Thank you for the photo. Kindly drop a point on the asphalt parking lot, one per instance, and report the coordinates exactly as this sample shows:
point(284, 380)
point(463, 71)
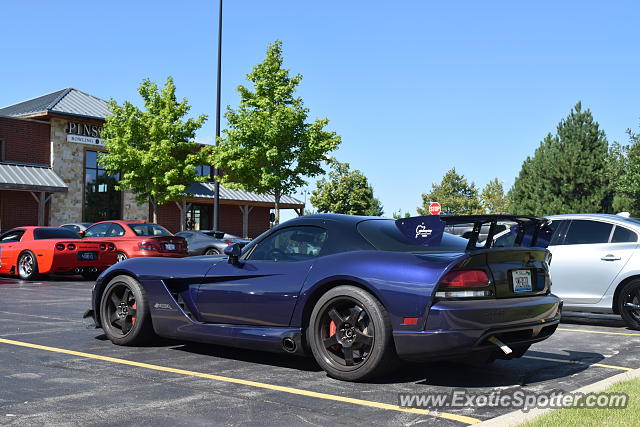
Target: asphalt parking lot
point(57, 369)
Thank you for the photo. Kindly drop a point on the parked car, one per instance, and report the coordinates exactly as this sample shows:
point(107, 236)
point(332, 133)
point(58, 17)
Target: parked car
point(31, 251)
point(199, 243)
point(77, 226)
point(355, 292)
point(596, 263)
point(137, 239)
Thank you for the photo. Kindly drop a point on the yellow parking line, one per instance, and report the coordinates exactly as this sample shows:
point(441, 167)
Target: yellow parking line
point(578, 362)
point(300, 392)
point(598, 332)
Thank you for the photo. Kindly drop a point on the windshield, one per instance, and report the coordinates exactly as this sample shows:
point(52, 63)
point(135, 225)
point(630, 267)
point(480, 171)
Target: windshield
point(384, 235)
point(149, 230)
point(54, 233)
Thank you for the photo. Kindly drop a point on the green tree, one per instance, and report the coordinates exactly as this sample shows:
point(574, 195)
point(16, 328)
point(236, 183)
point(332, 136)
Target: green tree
point(153, 149)
point(269, 147)
point(400, 214)
point(455, 195)
point(628, 185)
point(493, 199)
point(569, 172)
point(345, 191)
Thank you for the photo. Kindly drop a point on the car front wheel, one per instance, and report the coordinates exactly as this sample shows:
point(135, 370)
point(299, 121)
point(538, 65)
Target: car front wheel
point(350, 335)
point(124, 312)
point(629, 304)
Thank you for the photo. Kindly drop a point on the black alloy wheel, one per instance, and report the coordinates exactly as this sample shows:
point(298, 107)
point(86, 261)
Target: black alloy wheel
point(629, 304)
point(212, 251)
point(350, 335)
point(124, 313)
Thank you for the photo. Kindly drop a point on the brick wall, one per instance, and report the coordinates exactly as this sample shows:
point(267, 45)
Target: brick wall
point(17, 208)
point(25, 140)
point(230, 219)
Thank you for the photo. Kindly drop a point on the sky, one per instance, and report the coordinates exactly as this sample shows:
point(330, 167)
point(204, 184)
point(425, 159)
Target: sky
point(413, 87)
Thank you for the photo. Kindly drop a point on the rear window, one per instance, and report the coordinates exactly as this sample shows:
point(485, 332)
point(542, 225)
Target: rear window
point(384, 235)
point(623, 235)
point(149, 230)
point(54, 233)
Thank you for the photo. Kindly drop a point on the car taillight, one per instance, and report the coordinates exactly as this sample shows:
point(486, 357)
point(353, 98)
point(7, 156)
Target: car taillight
point(111, 246)
point(60, 246)
point(71, 246)
point(147, 246)
point(228, 242)
point(464, 284)
point(103, 246)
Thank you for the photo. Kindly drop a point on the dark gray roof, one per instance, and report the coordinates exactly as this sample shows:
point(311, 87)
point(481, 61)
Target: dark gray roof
point(68, 102)
point(28, 177)
point(206, 190)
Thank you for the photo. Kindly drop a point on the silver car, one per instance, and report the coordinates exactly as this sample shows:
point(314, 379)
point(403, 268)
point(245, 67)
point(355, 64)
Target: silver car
point(596, 264)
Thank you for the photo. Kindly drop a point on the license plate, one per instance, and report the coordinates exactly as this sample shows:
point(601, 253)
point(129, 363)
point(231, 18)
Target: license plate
point(87, 256)
point(169, 247)
point(521, 281)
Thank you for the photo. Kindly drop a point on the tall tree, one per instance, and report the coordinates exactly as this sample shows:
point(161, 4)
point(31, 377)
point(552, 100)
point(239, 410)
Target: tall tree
point(455, 195)
point(345, 191)
point(269, 147)
point(628, 185)
point(153, 149)
point(493, 199)
point(569, 172)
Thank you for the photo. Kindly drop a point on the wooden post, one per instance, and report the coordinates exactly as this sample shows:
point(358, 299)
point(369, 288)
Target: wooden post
point(42, 200)
point(245, 220)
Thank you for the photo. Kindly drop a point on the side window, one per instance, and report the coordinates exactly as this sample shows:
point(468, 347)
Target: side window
point(291, 244)
point(559, 229)
point(98, 230)
point(116, 230)
point(11, 236)
point(623, 235)
point(582, 232)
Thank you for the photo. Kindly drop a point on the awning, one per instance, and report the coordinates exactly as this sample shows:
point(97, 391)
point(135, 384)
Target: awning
point(206, 190)
point(30, 178)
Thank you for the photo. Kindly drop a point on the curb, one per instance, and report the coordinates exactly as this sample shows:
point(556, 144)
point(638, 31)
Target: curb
point(520, 417)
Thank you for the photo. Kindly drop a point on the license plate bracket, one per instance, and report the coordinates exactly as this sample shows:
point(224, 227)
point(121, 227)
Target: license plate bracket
point(521, 281)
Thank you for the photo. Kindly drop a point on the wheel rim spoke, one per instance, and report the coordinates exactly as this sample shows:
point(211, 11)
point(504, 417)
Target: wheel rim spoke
point(348, 354)
point(114, 299)
point(335, 316)
point(114, 317)
point(331, 341)
point(354, 315)
point(631, 306)
point(362, 339)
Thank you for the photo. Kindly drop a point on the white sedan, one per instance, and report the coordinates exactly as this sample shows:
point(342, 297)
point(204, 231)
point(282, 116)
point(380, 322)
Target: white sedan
point(596, 263)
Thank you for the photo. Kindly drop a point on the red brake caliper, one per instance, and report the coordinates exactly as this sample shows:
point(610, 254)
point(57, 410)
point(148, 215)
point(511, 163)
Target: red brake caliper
point(133, 318)
point(332, 331)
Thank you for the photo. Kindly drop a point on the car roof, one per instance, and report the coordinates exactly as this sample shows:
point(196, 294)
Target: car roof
point(607, 217)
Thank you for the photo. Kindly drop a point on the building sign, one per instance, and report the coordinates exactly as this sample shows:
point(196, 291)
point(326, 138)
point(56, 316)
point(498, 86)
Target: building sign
point(84, 134)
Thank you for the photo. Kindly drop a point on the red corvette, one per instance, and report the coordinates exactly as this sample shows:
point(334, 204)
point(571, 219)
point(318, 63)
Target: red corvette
point(30, 251)
point(137, 239)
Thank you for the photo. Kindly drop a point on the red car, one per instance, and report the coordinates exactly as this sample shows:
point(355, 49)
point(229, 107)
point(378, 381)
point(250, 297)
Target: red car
point(137, 238)
point(30, 251)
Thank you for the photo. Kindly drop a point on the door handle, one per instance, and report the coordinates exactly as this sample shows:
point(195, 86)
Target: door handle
point(610, 257)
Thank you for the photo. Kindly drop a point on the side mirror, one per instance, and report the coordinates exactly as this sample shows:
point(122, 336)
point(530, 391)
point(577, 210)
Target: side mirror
point(233, 251)
point(81, 233)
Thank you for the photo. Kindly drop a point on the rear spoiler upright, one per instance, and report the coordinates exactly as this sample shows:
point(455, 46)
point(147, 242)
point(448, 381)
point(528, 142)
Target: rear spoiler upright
point(526, 226)
point(530, 230)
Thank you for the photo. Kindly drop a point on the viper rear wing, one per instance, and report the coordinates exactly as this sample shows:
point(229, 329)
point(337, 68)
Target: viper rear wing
point(525, 231)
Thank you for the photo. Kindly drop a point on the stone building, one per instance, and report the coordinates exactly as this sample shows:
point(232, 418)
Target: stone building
point(49, 174)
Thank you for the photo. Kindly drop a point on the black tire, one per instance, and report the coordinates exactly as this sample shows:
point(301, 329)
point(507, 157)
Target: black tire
point(90, 276)
point(121, 256)
point(27, 266)
point(124, 312)
point(360, 346)
point(212, 251)
point(629, 304)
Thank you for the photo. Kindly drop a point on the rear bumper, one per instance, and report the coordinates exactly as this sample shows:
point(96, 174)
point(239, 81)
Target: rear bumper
point(456, 328)
point(137, 254)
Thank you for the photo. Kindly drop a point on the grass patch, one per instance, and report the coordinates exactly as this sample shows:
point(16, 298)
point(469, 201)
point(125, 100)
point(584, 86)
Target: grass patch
point(629, 416)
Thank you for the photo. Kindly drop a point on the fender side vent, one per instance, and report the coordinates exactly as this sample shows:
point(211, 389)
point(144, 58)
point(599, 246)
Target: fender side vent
point(182, 305)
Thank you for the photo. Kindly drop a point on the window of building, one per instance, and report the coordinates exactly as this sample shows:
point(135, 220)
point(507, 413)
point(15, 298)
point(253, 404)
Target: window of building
point(101, 199)
point(204, 171)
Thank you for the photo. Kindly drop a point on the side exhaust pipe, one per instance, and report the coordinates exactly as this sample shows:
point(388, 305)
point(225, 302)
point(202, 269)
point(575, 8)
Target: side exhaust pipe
point(289, 345)
point(505, 348)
